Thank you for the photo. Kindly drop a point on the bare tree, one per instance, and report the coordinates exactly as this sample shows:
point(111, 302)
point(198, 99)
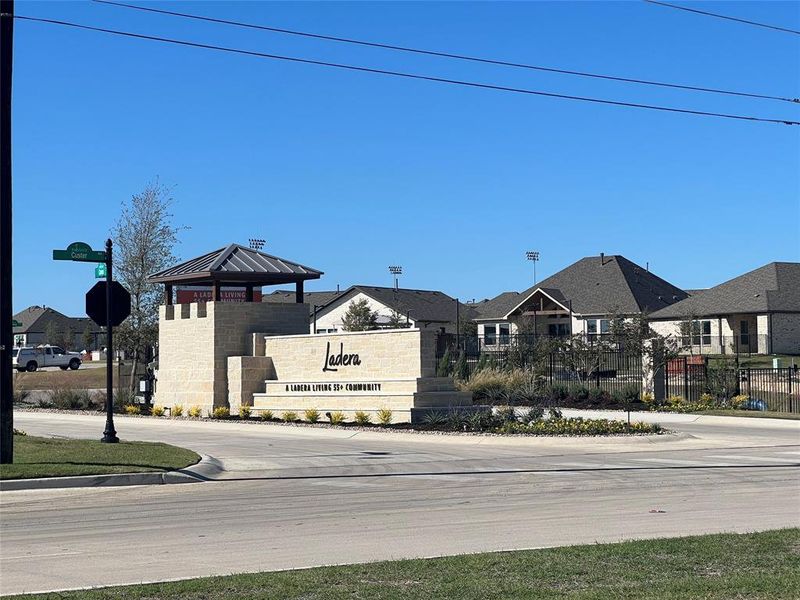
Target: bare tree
point(144, 239)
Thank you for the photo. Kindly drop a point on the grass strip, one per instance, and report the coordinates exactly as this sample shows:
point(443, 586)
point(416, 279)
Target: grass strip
point(756, 566)
point(58, 457)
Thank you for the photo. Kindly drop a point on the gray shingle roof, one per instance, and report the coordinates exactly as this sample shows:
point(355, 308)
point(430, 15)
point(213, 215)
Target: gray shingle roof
point(596, 287)
point(311, 298)
point(775, 287)
point(420, 305)
point(36, 319)
point(499, 305)
point(236, 264)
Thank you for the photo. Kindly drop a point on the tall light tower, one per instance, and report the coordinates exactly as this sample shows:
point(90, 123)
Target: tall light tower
point(257, 243)
point(396, 271)
point(534, 257)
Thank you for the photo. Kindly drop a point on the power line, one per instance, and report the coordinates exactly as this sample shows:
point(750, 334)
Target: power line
point(406, 75)
point(710, 14)
point(446, 54)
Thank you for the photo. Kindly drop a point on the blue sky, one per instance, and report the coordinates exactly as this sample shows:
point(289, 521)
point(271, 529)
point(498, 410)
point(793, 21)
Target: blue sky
point(351, 172)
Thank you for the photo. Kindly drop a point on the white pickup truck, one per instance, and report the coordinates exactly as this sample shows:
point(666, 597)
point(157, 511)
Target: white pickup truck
point(29, 359)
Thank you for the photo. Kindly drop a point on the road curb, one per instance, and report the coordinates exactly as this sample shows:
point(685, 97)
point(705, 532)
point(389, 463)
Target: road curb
point(205, 470)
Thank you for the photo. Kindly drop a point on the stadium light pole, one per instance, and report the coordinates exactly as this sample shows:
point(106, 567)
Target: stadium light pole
point(533, 256)
point(396, 271)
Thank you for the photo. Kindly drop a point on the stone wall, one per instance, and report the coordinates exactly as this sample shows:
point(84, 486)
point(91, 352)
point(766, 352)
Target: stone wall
point(364, 371)
point(196, 340)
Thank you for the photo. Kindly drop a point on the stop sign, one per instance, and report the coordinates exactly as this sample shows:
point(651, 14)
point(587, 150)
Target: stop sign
point(96, 303)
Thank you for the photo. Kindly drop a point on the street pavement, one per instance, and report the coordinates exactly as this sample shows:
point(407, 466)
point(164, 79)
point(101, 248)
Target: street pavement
point(294, 497)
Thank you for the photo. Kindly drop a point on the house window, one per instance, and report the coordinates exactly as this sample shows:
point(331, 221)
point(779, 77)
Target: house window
point(701, 333)
point(558, 329)
point(744, 331)
point(505, 334)
point(490, 335)
point(605, 326)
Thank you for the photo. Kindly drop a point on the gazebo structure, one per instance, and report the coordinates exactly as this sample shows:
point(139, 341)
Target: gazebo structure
point(197, 339)
point(235, 266)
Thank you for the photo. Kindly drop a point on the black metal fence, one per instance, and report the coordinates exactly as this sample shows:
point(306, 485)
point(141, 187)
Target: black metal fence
point(618, 372)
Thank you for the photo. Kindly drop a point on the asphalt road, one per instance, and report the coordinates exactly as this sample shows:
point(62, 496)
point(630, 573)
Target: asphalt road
point(298, 497)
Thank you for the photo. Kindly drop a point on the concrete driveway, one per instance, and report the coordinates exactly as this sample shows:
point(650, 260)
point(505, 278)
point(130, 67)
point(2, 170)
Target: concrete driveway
point(297, 497)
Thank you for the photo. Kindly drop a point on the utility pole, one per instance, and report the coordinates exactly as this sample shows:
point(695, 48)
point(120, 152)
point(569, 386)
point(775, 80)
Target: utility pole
point(6, 303)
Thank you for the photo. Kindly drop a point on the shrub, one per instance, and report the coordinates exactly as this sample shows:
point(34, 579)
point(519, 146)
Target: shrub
point(534, 414)
point(555, 414)
point(123, 397)
point(20, 396)
point(266, 415)
point(443, 369)
point(739, 402)
point(133, 409)
point(157, 411)
point(506, 414)
point(336, 417)
point(19, 432)
point(220, 412)
point(461, 370)
point(362, 418)
point(384, 416)
point(497, 385)
point(289, 416)
point(311, 414)
point(71, 399)
point(177, 410)
point(558, 392)
point(435, 419)
point(244, 412)
point(195, 411)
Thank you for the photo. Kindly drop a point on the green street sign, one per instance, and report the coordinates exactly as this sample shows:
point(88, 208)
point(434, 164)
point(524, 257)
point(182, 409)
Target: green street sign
point(100, 271)
point(15, 323)
point(80, 251)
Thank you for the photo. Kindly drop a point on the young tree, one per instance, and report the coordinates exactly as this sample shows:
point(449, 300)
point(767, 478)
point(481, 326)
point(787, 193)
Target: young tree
point(87, 338)
point(359, 317)
point(144, 242)
point(397, 320)
point(64, 337)
point(50, 333)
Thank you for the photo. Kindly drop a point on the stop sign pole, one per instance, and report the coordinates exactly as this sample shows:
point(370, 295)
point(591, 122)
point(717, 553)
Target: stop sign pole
point(110, 434)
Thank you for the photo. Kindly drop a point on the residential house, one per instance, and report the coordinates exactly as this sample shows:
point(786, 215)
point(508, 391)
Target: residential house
point(581, 299)
point(415, 308)
point(44, 325)
point(756, 312)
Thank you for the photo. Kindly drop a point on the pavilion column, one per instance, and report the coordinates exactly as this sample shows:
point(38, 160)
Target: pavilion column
point(216, 294)
point(248, 293)
point(168, 294)
point(298, 295)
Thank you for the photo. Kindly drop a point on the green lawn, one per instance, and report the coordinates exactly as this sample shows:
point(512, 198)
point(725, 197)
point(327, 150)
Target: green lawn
point(49, 457)
point(763, 566)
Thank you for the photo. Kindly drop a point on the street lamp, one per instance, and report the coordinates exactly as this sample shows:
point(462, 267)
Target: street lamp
point(534, 257)
point(396, 271)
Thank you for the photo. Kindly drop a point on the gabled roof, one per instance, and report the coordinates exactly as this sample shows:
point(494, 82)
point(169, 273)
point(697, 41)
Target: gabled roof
point(311, 298)
point(420, 305)
point(596, 286)
point(501, 304)
point(36, 319)
point(236, 264)
point(775, 287)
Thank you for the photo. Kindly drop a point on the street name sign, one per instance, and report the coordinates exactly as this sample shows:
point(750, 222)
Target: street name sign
point(100, 271)
point(81, 252)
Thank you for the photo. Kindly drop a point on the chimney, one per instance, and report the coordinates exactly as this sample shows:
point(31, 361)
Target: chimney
point(602, 258)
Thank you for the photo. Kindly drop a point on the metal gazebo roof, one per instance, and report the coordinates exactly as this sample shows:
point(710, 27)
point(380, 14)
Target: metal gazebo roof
point(236, 265)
